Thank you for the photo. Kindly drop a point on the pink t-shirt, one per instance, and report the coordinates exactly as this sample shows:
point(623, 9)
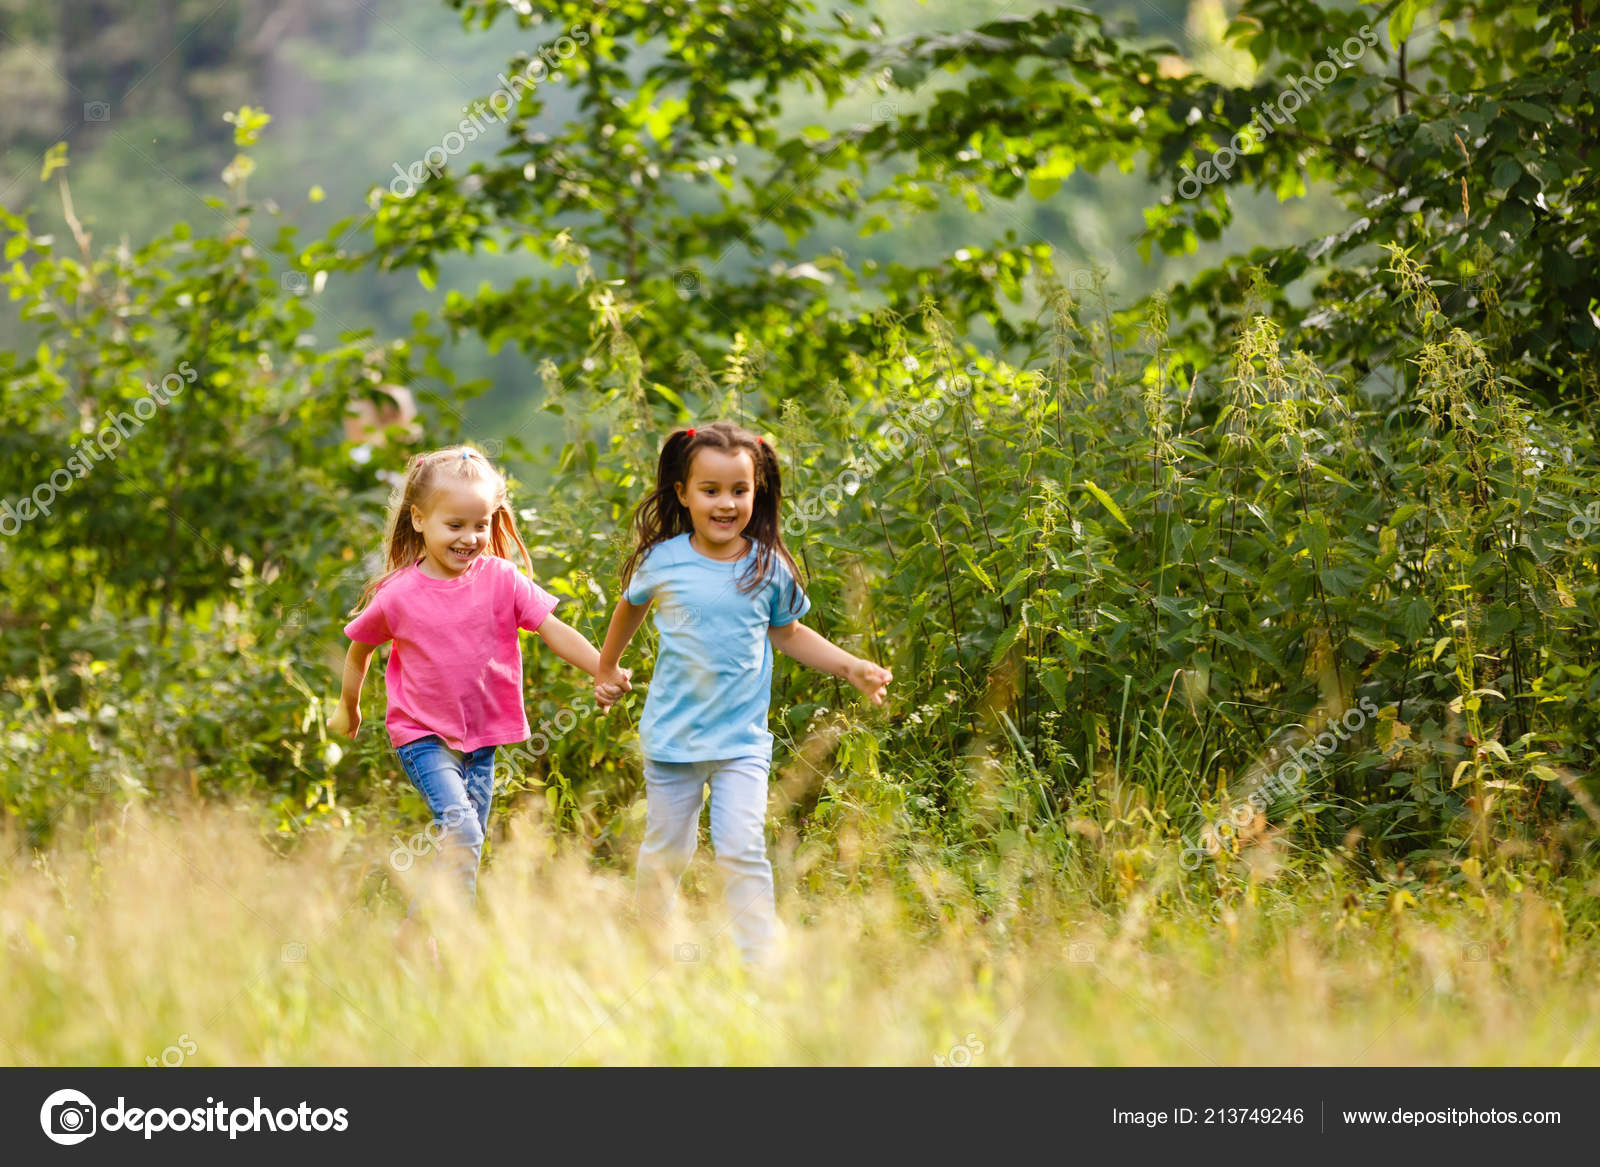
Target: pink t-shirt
point(456, 666)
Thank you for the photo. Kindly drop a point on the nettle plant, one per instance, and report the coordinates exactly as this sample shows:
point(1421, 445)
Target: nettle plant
point(1115, 586)
point(1135, 560)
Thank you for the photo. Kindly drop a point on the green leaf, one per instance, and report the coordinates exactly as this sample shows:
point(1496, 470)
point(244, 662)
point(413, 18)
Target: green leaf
point(1506, 172)
point(1106, 501)
point(1254, 645)
point(1401, 514)
point(1401, 20)
point(1415, 617)
point(1233, 568)
point(669, 395)
point(661, 119)
point(54, 159)
point(1042, 188)
point(972, 564)
point(1535, 113)
point(1003, 645)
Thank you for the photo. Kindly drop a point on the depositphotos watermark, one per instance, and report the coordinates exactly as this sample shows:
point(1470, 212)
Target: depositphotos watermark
point(70, 1116)
point(1582, 522)
point(500, 103)
point(538, 744)
point(174, 1055)
point(107, 439)
point(1282, 781)
point(1281, 112)
point(891, 441)
point(427, 839)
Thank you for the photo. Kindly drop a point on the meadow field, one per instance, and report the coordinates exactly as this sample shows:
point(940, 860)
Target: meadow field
point(136, 942)
point(1202, 432)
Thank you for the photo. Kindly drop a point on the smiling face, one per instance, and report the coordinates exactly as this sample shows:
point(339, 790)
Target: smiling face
point(719, 493)
point(455, 527)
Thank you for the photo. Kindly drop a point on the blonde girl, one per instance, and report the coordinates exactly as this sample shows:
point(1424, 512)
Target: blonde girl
point(451, 601)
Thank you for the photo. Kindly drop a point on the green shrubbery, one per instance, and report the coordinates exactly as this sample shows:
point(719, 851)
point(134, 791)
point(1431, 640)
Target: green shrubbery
point(1114, 593)
point(1120, 568)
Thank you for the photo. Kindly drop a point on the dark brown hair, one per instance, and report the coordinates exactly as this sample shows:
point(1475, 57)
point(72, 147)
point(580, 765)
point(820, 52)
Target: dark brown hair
point(403, 543)
point(661, 516)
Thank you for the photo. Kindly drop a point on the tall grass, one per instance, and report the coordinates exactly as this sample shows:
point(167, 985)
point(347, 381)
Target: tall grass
point(187, 933)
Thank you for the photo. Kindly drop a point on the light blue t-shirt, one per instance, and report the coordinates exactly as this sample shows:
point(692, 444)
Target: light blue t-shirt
point(713, 678)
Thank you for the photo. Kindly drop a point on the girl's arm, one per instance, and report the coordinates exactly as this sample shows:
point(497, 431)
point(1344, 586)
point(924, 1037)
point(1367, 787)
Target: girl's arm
point(569, 644)
point(346, 719)
point(625, 622)
point(816, 651)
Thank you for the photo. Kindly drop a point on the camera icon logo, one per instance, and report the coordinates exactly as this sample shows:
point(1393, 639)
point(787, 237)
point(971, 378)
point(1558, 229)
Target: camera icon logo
point(680, 617)
point(68, 1117)
point(1080, 953)
point(293, 953)
point(686, 953)
point(294, 281)
point(961, 1054)
point(1081, 279)
point(96, 111)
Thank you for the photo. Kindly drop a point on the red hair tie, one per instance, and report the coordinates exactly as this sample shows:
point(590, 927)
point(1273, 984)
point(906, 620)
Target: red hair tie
point(691, 431)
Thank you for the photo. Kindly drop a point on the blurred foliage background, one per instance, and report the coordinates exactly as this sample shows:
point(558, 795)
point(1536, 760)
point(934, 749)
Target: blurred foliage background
point(353, 88)
point(1138, 480)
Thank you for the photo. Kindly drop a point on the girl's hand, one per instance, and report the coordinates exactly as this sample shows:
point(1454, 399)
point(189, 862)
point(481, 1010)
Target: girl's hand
point(609, 686)
point(345, 721)
point(871, 679)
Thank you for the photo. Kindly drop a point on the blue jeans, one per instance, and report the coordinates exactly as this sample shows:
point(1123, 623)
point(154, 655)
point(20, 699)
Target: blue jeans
point(674, 793)
point(458, 789)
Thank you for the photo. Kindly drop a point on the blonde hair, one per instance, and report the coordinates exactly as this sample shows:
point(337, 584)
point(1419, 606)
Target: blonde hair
point(425, 473)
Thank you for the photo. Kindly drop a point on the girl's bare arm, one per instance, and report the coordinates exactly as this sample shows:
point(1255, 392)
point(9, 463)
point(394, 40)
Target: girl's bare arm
point(569, 644)
point(625, 622)
point(816, 651)
point(346, 719)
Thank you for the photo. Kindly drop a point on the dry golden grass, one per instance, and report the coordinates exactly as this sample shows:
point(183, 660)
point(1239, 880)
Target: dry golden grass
point(146, 933)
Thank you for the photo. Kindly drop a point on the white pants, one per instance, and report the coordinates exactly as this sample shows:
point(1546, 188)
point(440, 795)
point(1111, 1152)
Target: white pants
point(674, 793)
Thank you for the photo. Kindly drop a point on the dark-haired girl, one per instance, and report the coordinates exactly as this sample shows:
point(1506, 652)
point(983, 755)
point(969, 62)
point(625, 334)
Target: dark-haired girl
point(710, 556)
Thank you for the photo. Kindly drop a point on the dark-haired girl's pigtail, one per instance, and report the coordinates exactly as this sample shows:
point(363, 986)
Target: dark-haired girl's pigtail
point(661, 516)
point(765, 526)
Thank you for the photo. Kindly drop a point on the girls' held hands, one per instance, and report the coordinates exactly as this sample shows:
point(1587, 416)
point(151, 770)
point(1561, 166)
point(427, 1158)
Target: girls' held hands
point(873, 680)
point(609, 686)
point(345, 721)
